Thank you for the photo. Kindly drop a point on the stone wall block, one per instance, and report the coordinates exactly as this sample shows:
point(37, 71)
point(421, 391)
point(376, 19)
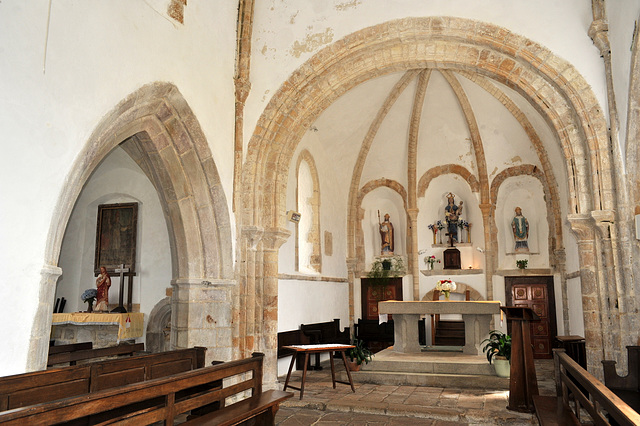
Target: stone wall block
point(163, 176)
point(175, 169)
point(199, 186)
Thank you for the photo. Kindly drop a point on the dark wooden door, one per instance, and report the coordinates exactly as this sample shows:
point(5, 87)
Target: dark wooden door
point(536, 292)
point(374, 293)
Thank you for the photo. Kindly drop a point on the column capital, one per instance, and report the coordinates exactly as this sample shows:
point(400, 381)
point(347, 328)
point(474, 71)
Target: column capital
point(603, 219)
point(413, 213)
point(274, 238)
point(583, 226)
point(253, 235)
point(599, 33)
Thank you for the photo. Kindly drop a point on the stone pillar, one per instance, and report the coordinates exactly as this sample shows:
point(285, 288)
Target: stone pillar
point(609, 293)
point(490, 256)
point(352, 269)
point(247, 307)
point(583, 227)
point(41, 329)
point(272, 240)
point(201, 316)
point(560, 261)
point(413, 255)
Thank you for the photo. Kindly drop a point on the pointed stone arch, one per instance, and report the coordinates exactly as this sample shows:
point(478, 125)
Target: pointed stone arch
point(162, 135)
point(550, 84)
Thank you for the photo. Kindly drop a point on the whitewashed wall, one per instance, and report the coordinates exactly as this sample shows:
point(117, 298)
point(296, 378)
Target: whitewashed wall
point(96, 54)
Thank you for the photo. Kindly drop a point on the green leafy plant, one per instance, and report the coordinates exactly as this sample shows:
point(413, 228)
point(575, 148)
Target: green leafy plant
point(383, 269)
point(498, 344)
point(522, 264)
point(360, 353)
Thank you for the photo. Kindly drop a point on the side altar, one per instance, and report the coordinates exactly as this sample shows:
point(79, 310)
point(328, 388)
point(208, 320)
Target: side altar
point(103, 329)
point(476, 316)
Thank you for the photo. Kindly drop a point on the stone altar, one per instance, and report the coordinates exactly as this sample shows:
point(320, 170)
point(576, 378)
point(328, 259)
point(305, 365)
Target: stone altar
point(476, 316)
point(103, 329)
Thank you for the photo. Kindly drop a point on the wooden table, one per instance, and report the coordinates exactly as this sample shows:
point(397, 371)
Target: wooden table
point(318, 349)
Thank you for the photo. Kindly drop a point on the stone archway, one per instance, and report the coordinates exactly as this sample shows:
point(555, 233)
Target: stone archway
point(550, 84)
point(164, 138)
point(158, 337)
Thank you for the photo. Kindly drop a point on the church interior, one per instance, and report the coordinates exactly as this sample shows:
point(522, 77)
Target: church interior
point(200, 151)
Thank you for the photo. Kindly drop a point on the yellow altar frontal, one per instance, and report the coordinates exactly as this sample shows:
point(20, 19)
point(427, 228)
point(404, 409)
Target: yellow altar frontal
point(130, 325)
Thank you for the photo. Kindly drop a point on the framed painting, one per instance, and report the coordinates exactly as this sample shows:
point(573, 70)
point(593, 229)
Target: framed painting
point(116, 234)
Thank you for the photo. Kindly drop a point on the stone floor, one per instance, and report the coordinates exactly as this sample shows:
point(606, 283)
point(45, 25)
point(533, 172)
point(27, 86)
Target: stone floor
point(402, 405)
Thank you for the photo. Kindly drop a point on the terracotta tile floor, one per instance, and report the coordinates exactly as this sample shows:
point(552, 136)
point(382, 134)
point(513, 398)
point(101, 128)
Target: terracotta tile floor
point(402, 405)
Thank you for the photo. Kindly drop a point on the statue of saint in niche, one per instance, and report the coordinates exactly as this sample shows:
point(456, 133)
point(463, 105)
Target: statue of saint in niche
point(520, 228)
point(452, 215)
point(386, 235)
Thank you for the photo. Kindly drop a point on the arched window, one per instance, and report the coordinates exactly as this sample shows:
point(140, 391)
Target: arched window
point(308, 254)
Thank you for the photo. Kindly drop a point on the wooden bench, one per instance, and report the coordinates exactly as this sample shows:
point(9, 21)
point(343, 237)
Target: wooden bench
point(123, 349)
point(72, 347)
point(626, 387)
point(571, 402)
point(163, 399)
point(325, 333)
point(26, 389)
point(292, 338)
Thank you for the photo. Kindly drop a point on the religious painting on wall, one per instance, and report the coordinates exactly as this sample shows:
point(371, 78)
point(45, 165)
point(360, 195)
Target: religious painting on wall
point(116, 233)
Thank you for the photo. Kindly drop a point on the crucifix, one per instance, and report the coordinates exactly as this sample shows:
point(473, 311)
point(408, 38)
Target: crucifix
point(122, 271)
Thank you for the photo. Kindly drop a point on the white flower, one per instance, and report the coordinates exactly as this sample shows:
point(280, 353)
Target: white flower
point(446, 285)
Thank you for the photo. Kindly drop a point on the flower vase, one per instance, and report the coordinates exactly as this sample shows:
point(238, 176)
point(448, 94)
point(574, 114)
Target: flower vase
point(431, 266)
point(468, 235)
point(440, 233)
point(434, 238)
point(90, 306)
point(446, 295)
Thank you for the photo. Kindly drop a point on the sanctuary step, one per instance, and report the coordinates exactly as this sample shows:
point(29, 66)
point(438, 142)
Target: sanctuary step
point(431, 368)
point(449, 333)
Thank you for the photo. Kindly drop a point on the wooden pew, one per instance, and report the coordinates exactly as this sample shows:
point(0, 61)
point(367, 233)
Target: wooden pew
point(571, 402)
point(161, 400)
point(72, 347)
point(292, 338)
point(626, 387)
point(123, 349)
point(26, 389)
point(325, 333)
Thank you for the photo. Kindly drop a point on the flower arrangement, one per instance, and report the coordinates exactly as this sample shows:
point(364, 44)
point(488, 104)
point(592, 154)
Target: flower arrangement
point(440, 225)
point(433, 227)
point(446, 287)
point(522, 263)
point(430, 260)
point(89, 296)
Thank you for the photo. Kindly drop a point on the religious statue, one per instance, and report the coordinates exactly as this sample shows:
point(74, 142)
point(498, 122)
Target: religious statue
point(386, 234)
point(103, 282)
point(452, 214)
point(520, 227)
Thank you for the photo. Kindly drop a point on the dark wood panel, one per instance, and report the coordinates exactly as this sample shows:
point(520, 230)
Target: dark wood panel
point(536, 292)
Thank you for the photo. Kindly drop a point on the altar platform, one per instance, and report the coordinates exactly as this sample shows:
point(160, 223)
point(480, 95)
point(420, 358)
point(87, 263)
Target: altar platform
point(445, 367)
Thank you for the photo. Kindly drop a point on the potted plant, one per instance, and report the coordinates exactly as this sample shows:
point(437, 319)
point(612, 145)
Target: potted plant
point(498, 349)
point(358, 355)
point(383, 269)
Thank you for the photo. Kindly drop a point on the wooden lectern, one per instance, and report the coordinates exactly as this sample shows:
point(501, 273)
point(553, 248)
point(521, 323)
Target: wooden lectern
point(523, 385)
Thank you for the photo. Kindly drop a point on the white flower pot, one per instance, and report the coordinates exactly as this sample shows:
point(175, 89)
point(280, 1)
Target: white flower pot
point(503, 366)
